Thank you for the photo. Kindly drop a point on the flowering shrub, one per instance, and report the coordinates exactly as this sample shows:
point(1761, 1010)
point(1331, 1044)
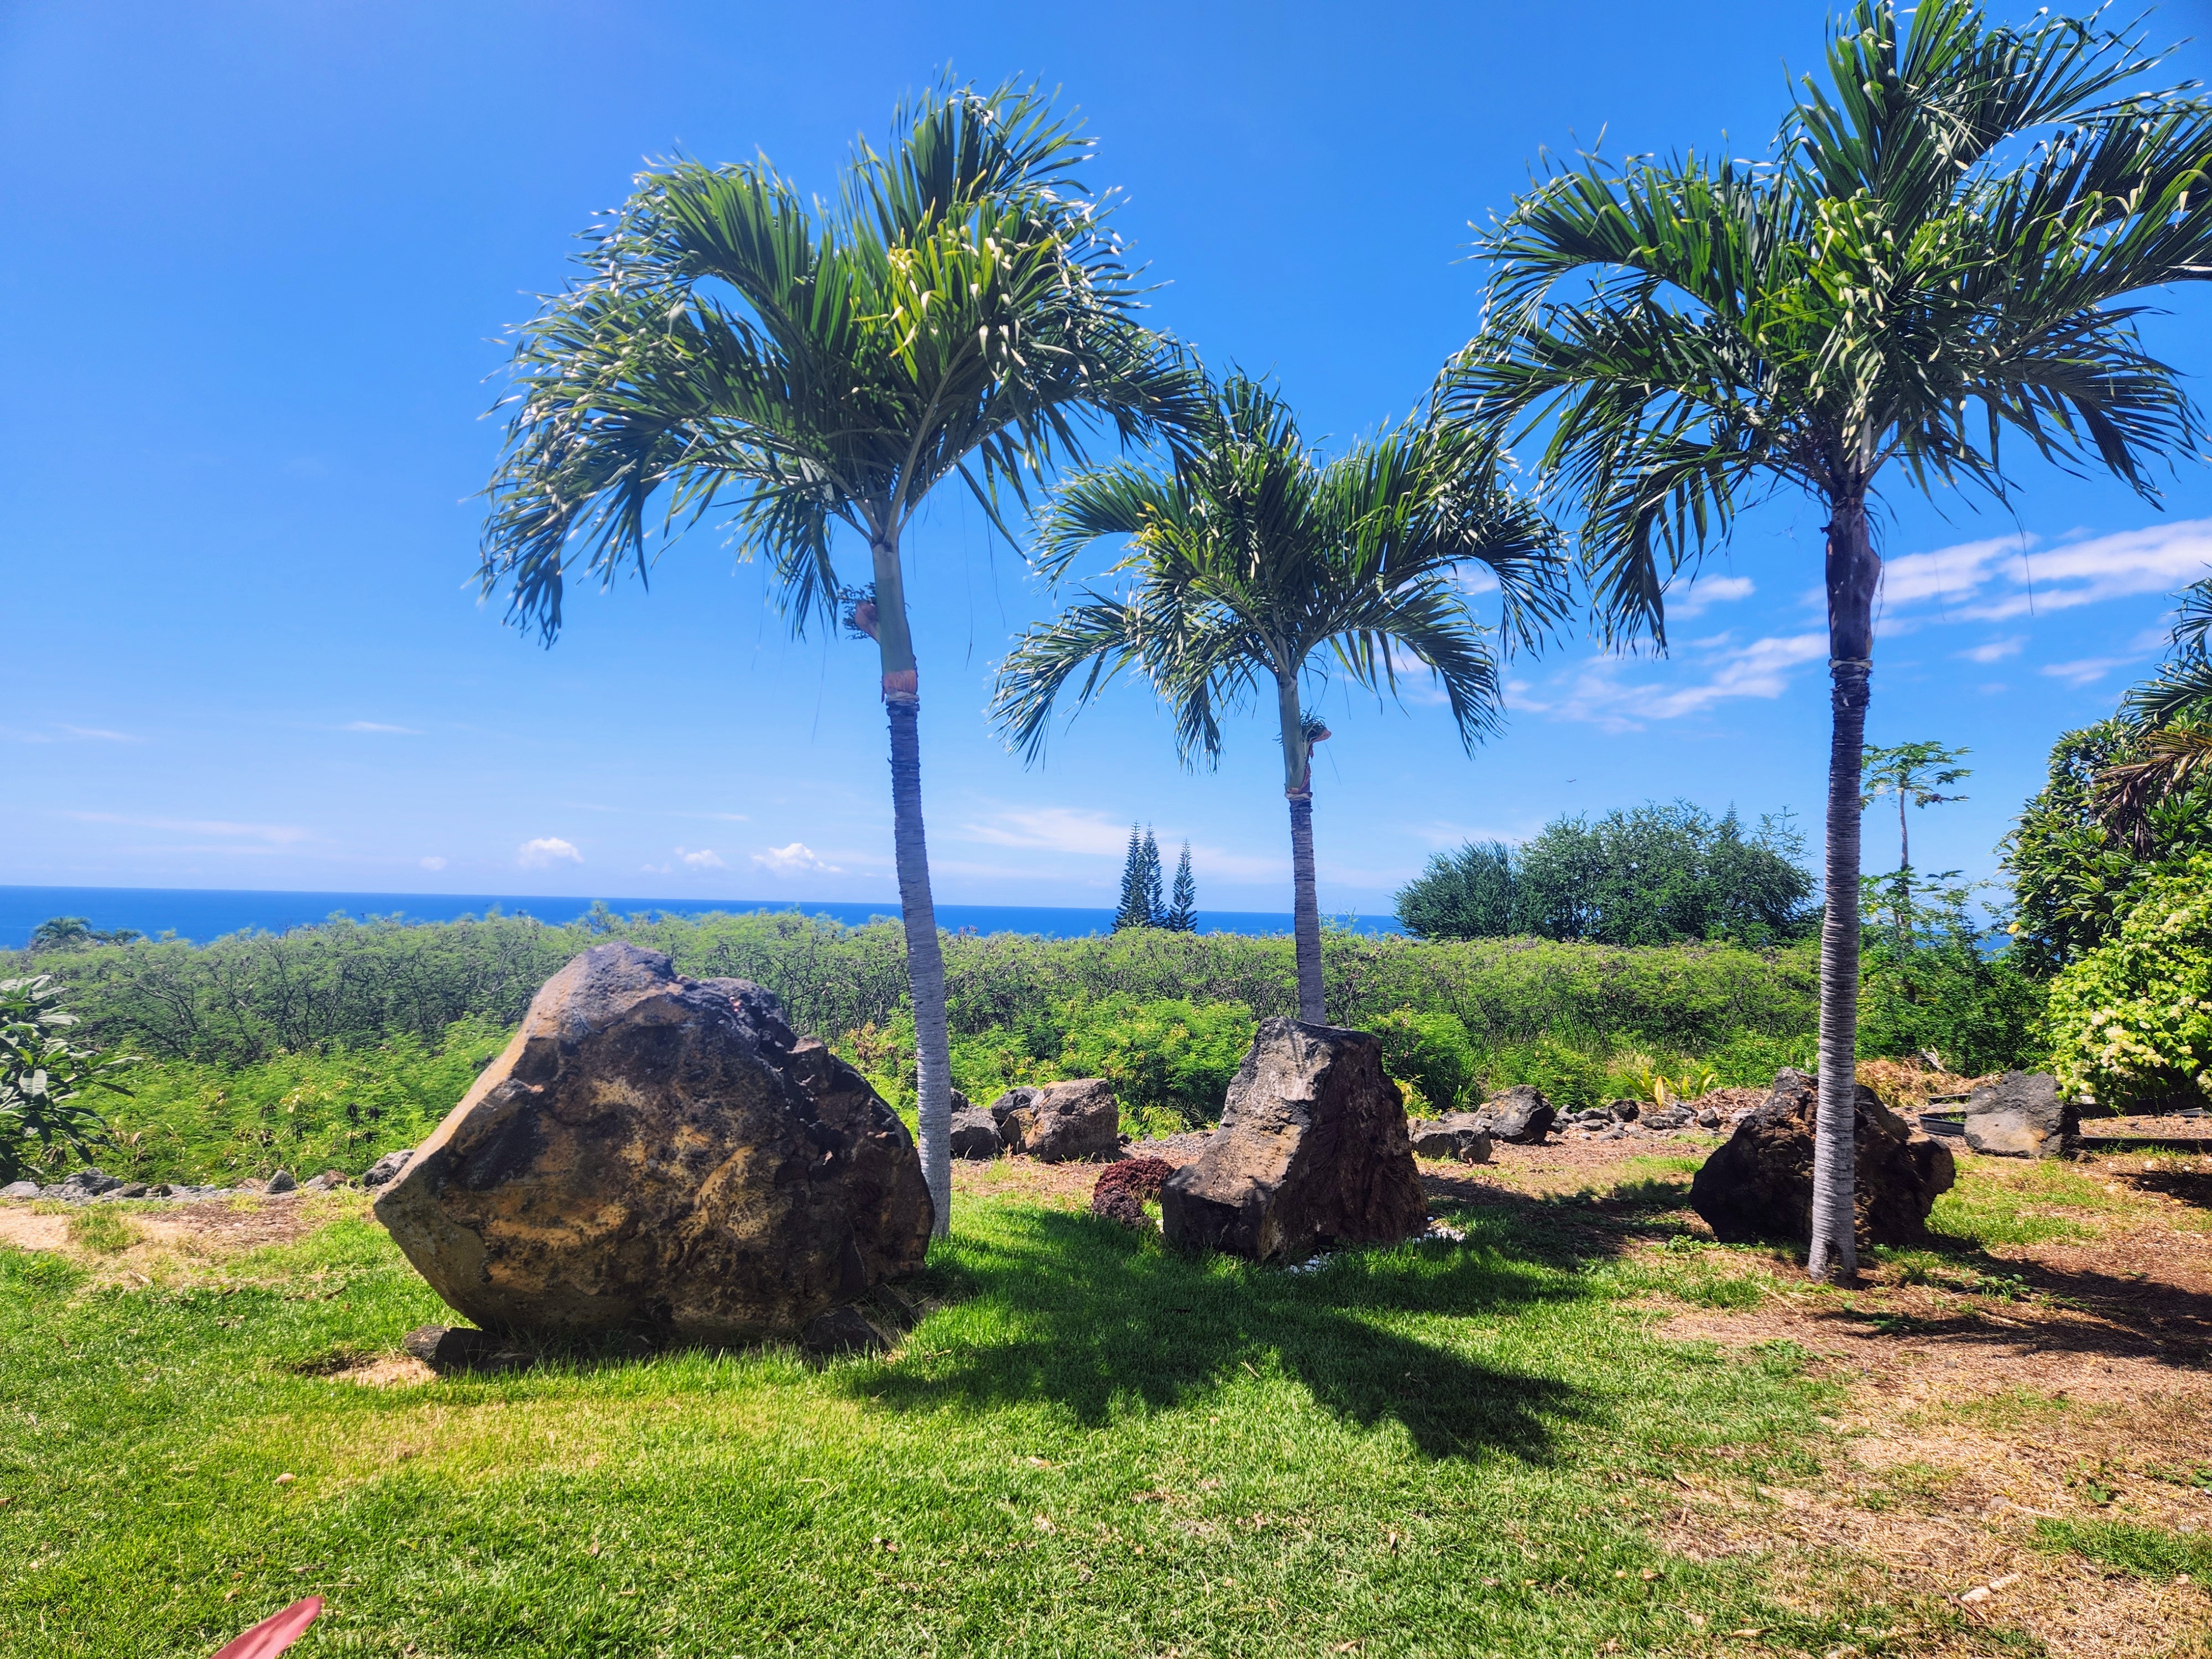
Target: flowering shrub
point(2131, 1020)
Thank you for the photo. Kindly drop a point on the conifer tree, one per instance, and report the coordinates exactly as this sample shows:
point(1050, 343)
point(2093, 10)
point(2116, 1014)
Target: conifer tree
point(1135, 910)
point(1156, 904)
point(1182, 910)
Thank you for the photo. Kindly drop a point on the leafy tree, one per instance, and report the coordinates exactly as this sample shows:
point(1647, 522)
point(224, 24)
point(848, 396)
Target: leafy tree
point(1135, 909)
point(960, 310)
point(1946, 252)
point(2074, 875)
point(1930, 985)
point(2131, 1019)
point(1155, 904)
point(1463, 895)
point(75, 932)
point(1182, 908)
point(45, 1079)
point(1660, 874)
point(1250, 557)
point(1917, 774)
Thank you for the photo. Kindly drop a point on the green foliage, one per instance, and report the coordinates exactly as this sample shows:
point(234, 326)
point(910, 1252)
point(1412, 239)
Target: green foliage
point(1170, 1061)
point(1928, 981)
point(1570, 1078)
point(1430, 1053)
point(2146, 1552)
point(1749, 1060)
point(1143, 901)
point(1182, 904)
point(1651, 875)
point(1463, 895)
point(193, 1120)
point(2130, 1020)
point(46, 1082)
point(73, 933)
point(2073, 877)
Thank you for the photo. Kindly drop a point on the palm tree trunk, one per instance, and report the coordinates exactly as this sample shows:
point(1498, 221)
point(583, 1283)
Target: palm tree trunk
point(1853, 571)
point(1305, 908)
point(924, 955)
point(1305, 918)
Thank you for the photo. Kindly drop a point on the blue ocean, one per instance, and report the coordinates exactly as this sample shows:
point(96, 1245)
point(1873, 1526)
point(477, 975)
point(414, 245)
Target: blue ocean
point(200, 913)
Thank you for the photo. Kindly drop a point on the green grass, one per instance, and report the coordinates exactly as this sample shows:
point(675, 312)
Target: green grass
point(2147, 1551)
point(1096, 1447)
point(1986, 1208)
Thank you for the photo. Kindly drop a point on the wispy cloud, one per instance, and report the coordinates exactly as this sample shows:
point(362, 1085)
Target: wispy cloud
point(2085, 671)
point(1059, 829)
point(706, 858)
point(796, 858)
point(433, 862)
point(1602, 693)
point(1994, 650)
point(66, 733)
point(275, 835)
point(2004, 577)
point(1706, 592)
point(379, 726)
point(546, 852)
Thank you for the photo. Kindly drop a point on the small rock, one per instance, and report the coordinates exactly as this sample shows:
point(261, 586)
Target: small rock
point(329, 1181)
point(88, 1184)
point(132, 1189)
point(19, 1189)
point(1521, 1115)
point(1710, 1118)
point(1628, 1111)
point(387, 1169)
point(975, 1135)
point(840, 1330)
point(1456, 1135)
point(2021, 1115)
point(1061, 1122)
point(281, 1181)
point(1980, 1593)
point(459, 1348)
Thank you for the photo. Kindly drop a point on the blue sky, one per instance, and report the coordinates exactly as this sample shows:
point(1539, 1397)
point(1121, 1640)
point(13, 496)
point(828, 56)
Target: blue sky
point(263, 257)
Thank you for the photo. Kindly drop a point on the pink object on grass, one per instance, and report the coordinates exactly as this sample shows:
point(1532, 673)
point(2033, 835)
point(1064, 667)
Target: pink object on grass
point(273, 1635)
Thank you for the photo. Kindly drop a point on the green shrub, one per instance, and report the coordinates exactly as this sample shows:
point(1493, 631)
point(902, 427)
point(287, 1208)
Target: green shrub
point(1748, 1060)
point(1429, 1052)
point(1569, 1078)
point(2130, 1020)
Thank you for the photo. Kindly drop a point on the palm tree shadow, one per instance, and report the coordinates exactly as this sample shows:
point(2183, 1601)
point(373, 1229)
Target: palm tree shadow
point(1097, 1319)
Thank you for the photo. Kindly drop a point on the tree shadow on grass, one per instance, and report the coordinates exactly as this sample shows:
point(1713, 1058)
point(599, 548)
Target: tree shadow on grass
point(1067, 1308)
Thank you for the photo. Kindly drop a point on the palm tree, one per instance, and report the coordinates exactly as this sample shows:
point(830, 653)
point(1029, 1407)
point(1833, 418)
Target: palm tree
point(1249, 556)
point(1961, 221)
point(963, 308)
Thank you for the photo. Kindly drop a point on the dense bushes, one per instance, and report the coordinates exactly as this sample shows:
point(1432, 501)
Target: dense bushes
point(2131, 1019)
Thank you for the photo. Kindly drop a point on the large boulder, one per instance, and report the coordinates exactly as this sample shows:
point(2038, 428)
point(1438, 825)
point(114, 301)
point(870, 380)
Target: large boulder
point(1521, 1115)
point(1759, 1184)
point(1312, 1151)
point(975, 1134)
point(660, 1155)
point(1457, 1135)
point(2020, 1115)
point(1061, 1122)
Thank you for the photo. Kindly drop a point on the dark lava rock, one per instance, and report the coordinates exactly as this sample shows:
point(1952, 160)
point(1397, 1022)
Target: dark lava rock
point(1126, 1188)
point(1456, 1135)
point(1628, 1111)
point(660, 1155)
point(457, 1348)
point(1312, 1151)
point(2021, 1115)
point(387, 1169)
point(1061, 1122)
point(281, 1181)
point(88, 1184)
point(841, 1330)
point(1759, 1184)
point(132, 1189)
point(1521, 1115)
point(975, 1134)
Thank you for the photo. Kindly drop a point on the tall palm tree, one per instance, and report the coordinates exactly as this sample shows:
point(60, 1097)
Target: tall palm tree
point(1250, 557)
point(1944, 253)
point(963, 308)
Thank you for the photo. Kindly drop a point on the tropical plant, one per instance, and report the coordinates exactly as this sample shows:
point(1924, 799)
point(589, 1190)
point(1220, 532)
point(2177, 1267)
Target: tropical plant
point(1429, 1052)
point(45, 1080)
point(2130, 1020)
point(75, 933)
point(1463, 895)
point(1963, 218)
point(1250, 557)
point(1662, 873)
point(1142, 903)
point(962, 310)
point(1917, 774)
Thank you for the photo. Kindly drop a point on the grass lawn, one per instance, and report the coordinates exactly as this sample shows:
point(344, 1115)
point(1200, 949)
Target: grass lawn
point(1090, 1445)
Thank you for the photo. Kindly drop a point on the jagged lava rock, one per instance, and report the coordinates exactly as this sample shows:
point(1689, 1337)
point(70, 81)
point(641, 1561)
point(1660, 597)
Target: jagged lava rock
point(1521, 1115)
point(975, 1134)
point(1759, 1184)
point(1458, 1135)
point(2021, 1115)
point(1312, 1151)
point(1061, 1122)
point(661, 1155)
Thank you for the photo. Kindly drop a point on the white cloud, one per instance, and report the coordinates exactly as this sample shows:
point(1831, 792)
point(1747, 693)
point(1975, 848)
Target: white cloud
point(99, 734)
point(704, 859)
point(545, 852)
point(2008, 576)
point(1706, 592)
point(433, 862)
point(377, 725)
point(1760, 669)
point(1059, 829)
point(278, 834)
point(791, 860)
point(2085, 671)
point(1950, 575)
point(1994, 650)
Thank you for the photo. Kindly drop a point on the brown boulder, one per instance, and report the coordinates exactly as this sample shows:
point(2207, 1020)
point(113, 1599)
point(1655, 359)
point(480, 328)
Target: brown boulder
point(1312, 1151)
point(2020, 1115)
point(1061, 1122)
point(1759, 1184)
point(661, 1155)
point(1460, 1136)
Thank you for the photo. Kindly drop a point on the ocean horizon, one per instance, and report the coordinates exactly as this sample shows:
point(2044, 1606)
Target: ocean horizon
point(202, 913)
